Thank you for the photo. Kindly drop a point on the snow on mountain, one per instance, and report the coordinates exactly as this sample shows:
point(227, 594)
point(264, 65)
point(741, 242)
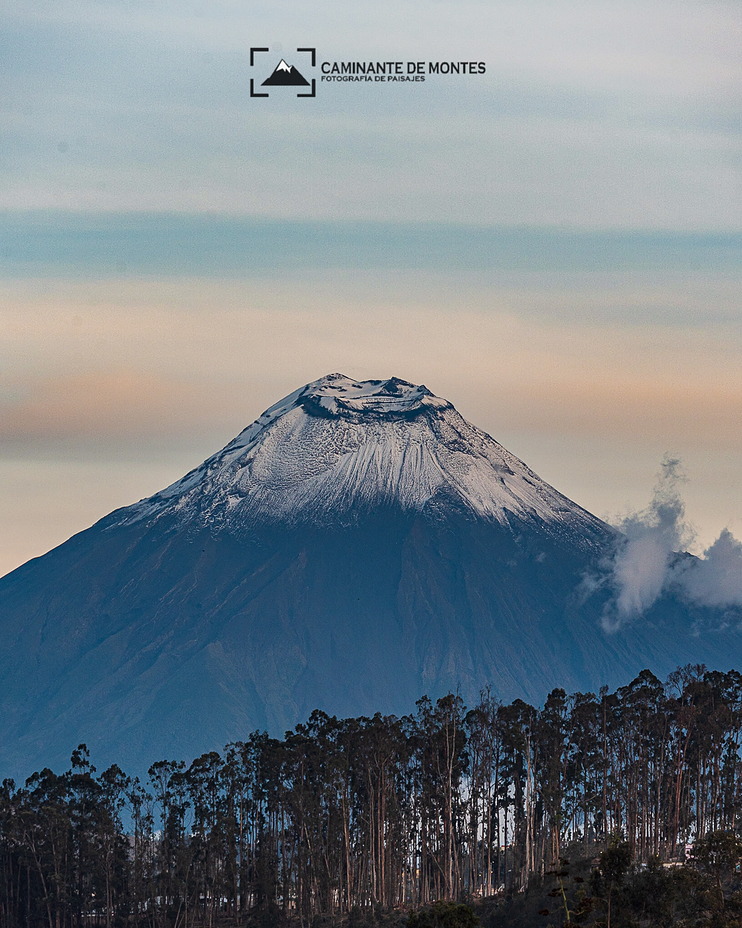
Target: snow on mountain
point(356, 547)
point(337, 447)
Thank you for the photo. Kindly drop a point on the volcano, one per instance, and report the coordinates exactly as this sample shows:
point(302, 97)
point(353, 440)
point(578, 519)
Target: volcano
point(356, 547)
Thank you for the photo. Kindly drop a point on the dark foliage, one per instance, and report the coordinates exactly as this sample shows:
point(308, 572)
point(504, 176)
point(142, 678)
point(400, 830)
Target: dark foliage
point(444, 915)
point(618, 810)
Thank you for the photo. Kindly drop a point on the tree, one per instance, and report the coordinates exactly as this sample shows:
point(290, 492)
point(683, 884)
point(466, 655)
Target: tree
point(717, 855)
point(612, 869)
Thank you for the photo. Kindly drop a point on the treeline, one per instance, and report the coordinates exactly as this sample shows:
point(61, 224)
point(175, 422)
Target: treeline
point(364, 815)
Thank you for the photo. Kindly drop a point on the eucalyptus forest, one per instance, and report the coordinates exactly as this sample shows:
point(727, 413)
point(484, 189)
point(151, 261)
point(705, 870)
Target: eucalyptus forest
point(428, 818)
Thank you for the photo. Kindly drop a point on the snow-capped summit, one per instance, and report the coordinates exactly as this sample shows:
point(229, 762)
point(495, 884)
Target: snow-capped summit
point(337, 447)
point(282, 66)
point(356, 547)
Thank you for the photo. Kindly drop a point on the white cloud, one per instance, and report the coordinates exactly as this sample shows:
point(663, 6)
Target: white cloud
point(716, 580)
point(648, 562)
point(640, 569)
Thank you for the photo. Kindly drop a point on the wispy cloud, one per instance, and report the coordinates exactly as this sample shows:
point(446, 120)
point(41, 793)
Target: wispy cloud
point(100, 404)
point(641, 567)
point(589, 114)
point(649, 559)
point(78, 243)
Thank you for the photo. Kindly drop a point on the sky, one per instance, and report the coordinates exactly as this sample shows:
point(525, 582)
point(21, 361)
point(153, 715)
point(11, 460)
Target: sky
point(554, 245)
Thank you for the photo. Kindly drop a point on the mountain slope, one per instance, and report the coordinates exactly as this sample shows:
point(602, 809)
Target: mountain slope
point(359, 545)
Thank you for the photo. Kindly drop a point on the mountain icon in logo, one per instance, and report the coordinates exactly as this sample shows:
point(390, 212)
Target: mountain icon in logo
point(285, 75)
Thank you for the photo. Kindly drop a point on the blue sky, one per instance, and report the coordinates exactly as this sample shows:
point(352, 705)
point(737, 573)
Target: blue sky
point(553, 245)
